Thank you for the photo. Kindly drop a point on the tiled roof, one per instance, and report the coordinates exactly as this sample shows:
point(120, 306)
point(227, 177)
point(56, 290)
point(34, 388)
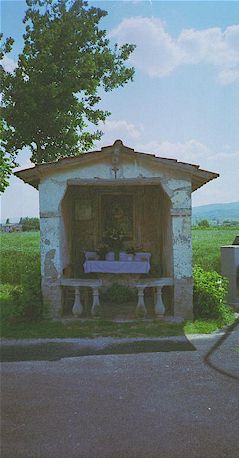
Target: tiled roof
point(33, 175)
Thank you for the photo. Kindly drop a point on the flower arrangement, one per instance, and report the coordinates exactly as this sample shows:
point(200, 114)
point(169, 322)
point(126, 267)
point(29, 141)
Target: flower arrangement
point(102, 250)
point(114, 238)
point(131, 250)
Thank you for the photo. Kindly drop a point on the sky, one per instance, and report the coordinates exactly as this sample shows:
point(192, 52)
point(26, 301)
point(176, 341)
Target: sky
point(184, 101)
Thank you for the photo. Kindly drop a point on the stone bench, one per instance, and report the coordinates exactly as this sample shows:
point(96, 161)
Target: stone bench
point(157, 283)
point(95, 284)
point(77, 283)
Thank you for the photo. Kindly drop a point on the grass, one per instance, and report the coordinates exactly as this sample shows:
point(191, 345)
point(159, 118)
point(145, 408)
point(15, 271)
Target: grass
point(20, 249)
point(27, 242)
point(95, 328)
point(90, 328)
point(206, 245)
point(17, 248)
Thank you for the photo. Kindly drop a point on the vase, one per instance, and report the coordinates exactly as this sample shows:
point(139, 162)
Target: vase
point(123, 256)
point(130, 257)
point(110, 256)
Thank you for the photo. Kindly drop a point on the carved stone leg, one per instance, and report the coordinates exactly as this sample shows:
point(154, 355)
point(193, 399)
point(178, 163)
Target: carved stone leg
point(141, 309)
point(77, 307)
point(159, 305)
point(96, 302)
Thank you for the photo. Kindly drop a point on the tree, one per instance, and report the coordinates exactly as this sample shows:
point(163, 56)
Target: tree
point(30, 224)
point(204, 223)
point(6, 161)
point(53, 94)
point(7, 221)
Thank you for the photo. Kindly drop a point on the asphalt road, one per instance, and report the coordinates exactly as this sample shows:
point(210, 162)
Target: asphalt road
point(144, 405)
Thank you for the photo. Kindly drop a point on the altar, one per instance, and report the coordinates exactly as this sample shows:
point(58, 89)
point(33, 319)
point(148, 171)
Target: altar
point(137, 263)
point(117, 267)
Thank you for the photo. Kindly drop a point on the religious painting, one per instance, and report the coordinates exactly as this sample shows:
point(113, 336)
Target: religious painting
point(83, 210)
point(117, 213)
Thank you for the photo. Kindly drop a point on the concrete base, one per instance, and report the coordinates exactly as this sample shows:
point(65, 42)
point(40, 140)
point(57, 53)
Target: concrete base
point(230, 269)
point(183, 298)
point(52, 297)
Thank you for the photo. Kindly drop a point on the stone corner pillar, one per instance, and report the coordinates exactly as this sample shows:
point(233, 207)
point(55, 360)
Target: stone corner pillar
point(52, 297)
point(182, 262)
point(51, 263)
point(51, 193)
point(183, 298)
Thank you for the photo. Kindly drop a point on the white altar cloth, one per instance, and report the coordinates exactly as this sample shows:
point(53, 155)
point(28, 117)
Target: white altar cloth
point(117, 267)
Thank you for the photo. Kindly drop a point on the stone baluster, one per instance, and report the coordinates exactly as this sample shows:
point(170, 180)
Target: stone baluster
point(141, 309)
point(77, 307)
point(96, 302)
point(159, 305)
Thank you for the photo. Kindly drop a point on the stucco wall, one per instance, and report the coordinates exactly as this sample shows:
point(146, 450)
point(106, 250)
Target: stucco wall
point(53, 229)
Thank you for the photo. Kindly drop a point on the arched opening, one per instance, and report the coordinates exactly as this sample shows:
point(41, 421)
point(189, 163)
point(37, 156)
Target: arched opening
point(144, 212)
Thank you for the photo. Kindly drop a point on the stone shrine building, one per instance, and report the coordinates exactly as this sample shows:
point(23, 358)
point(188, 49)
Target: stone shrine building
point(139, 204)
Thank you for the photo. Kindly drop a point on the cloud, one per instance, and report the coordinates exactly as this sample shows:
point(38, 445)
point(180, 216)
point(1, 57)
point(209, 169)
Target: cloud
point(223, 189)
point(158, 53)
point(114, 129)
point(191, 151)
point(8, 64)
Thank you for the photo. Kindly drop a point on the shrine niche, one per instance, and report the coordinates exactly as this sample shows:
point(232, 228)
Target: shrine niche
point(143, 200)
point(117, 212)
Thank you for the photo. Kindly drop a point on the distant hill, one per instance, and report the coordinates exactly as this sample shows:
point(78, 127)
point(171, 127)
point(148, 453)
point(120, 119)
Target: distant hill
point(216, 212)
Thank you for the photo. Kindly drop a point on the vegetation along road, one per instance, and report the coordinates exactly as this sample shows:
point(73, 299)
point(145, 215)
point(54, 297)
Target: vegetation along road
point(20, 292)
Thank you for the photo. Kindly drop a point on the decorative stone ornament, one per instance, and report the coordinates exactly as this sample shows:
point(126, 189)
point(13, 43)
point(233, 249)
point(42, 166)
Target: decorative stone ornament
point(116, 157)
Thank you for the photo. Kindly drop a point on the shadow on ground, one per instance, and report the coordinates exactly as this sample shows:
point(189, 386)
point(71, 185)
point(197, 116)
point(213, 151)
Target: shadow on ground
point(56, 351)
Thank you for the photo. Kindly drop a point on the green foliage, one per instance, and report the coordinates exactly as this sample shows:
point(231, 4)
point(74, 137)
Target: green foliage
point(18, 250)
point(118, 294)
point(6, 161)
point(89, 328)
point(30, 224)
point(52, 96)
point(24, 301)
point(200, 326)
point(209, 293)
point(203, 223)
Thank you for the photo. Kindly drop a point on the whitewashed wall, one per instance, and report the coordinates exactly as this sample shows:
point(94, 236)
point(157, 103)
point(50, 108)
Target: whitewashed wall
point(53, 245)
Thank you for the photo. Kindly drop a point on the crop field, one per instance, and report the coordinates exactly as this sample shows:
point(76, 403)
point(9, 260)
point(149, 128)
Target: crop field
point(207, 243)
point(19, 249)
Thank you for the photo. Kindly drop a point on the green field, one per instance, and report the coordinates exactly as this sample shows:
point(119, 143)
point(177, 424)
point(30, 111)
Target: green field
point(27, 242)
point(20, 254)
point(17, 249)
point(207, 243)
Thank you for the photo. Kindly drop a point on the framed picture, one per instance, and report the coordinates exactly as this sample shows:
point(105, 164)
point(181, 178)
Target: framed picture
point(117, 212)
point(83, 210)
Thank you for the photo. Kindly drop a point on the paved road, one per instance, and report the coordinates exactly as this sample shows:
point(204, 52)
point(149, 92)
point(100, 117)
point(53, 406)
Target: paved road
point(145, 405)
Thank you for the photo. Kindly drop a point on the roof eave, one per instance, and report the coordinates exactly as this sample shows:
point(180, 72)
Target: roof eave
point(29, 176)
point(198, 176)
